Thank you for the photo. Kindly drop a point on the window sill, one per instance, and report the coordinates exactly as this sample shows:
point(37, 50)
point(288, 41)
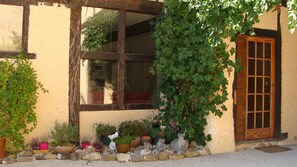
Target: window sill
point(105, 107)
point(10, 55)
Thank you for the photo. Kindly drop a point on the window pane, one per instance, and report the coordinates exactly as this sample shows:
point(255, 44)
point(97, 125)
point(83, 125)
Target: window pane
point(260, 50)
point(267, 50)
point(267, 102)
point(98, 81)
point(258, 120)
point(251, 86)
point(139, 83)
point(267, 85)
point(139, 33)
point(259, 85)
point(259, 102)
point(251, 67)
point(267, 68)
point(266, 119)
point(99, 30)
point(259, 67)
point(251, 49)
point(11, 20)
point(250, 120)
point(251, 103)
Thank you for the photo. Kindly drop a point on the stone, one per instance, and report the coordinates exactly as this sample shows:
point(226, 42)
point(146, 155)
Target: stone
point(145, 152)
point(11, 156)
point(204, 151)
point(179, 145)
point(109, 157)
point(39, 156)
point(25, 154)
point(160, 145)
point(151, 157)
point(90, 149)
point(137, 158)
point(193, 145)
point(190, 153)
point(147, 145)
point(123, 157)
point(93, 156)
point(176, 156)
point(163, 156)
point(75, 156)
point(25, 159)
point(63, 156)
point(50, 156)
point(7, 161)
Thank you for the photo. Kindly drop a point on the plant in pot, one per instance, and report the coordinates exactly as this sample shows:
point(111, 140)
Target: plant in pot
point(65, 137)
point(103, 131)
point(84, 143)
point(43, 144)
point(18, 97)
point(34, 143)
point(123, 143)
point(146, 126)
point(133, 129)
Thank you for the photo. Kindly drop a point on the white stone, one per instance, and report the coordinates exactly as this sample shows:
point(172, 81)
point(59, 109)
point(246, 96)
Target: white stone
point(123, 157)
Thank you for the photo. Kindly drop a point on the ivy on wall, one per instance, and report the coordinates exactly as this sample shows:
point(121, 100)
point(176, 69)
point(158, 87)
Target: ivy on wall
point(192, 58)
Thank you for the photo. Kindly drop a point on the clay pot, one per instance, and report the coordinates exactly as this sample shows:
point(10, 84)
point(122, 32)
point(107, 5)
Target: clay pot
point(64, 149)
point(2, 147)
point(123, 148)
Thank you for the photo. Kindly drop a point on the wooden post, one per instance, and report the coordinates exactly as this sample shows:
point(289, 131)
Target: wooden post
point(74, 65)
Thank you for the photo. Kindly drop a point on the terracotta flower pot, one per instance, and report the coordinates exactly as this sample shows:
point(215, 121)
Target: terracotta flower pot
point(2, 147)
point(84, 145)
point(123, 148)
point(64, 149)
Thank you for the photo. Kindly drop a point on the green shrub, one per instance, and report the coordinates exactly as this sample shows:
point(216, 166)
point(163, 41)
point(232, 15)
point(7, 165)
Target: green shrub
point(130, 128)
point(64, 134)
point(123, 140)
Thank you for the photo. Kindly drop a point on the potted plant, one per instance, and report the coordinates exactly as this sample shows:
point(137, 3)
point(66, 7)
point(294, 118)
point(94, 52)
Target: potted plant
point(146, 126)
point(18, 97)
point(34, 143)
point(133, 129)
point(84, 143)
point(65, 137)
point(123, 143)
point(103, 131)
point(43, 144)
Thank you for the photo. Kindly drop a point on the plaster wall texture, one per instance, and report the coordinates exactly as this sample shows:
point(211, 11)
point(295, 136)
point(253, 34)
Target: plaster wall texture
point(289, 76)
point(49, 39)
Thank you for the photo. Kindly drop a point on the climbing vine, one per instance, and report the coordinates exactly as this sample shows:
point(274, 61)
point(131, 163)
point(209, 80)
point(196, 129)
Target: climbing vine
point(192, 58)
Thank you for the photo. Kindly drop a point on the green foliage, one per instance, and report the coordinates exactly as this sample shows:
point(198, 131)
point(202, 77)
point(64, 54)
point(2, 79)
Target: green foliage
point(104, 129)
point(96, 31)
point(192, 58)
point(18, 97)
point(123, 140)
point(130, 128)
point(146, 127)
point(64, 134)
point(292, 14)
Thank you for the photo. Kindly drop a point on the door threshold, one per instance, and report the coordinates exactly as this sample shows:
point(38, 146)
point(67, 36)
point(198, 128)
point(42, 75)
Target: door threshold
point(240, 145)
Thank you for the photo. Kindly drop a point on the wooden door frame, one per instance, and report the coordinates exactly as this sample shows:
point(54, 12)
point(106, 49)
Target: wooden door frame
point(277, 126)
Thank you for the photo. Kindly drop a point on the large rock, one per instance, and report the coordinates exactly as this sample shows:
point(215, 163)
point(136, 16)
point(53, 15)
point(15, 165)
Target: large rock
point(190, 153)
point(25, 154)
point(75, 156)
point(39, 156)
point(176, 156)
point(50, 156)
point(109, 157)
point(7, 161)
point(151, 157)
point(93, 156)
point(163, 156)
point(25, 159)
point(137, 158)
point(123, 157)
point(63, 156)
point(203, 151)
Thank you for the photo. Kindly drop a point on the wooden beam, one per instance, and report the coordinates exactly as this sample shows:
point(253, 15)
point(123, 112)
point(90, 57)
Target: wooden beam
point(26, 17)
point(143, 6)
point(74, 66)
point(121, 59)
point(100, 56)
point(107, 107)
point(11, 55)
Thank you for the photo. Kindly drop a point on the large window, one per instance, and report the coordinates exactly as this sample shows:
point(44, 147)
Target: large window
point(14, 23)
point(118, 51)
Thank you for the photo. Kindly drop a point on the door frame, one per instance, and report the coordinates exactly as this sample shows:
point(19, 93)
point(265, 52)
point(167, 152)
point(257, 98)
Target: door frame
point(276, 35)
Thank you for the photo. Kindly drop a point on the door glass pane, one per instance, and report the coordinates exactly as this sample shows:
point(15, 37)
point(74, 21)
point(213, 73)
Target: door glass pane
point(267, 102)
point(259, 103)
point(259, 49)
point(267, 68)
point(251, 103)
point(258, 120)
point(251, 49)
point(139, 33)
point(266, 119)
point(251, 86)
point(99, 30)
point(251, 67)
point(259, 67)
point(11, 24)
point(267, 85)
point(98, 82)
point(250, 121)
point(259, 85)
point(267, 50)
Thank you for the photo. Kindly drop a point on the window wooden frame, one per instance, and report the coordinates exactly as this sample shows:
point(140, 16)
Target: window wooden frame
point(121, 57)
point(25, 31)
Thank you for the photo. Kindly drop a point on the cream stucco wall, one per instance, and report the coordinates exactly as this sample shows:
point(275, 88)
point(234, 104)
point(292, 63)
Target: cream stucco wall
point(289, 76)
point(49, 39)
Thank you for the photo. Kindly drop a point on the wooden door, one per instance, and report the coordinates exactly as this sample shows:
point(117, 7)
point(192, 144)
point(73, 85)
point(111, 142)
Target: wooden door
point(255, 89)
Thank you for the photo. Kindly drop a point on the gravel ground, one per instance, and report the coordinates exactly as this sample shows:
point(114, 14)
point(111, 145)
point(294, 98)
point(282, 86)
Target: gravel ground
point(243, 158)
